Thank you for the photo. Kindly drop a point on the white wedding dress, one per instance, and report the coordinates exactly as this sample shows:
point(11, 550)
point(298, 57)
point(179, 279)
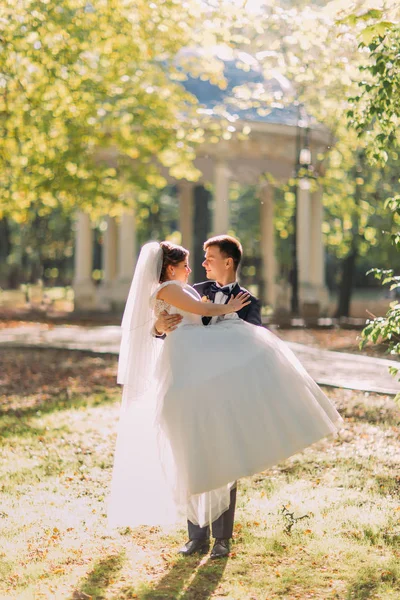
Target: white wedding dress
point(229, 400)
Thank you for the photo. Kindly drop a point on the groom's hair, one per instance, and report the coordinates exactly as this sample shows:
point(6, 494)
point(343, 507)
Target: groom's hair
point(228, 246)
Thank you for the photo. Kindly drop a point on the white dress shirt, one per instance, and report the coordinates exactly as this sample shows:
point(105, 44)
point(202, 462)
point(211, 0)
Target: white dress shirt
point(221, 298)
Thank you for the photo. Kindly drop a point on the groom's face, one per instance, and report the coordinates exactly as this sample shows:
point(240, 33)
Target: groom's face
point(215, 263)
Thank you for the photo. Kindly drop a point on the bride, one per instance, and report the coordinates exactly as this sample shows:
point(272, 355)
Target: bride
point(207, 406)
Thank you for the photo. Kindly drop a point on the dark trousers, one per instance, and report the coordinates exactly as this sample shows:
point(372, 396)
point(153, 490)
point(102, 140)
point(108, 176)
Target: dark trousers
point(221, 527)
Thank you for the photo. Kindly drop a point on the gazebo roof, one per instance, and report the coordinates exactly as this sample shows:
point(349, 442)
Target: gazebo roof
point(249, 95)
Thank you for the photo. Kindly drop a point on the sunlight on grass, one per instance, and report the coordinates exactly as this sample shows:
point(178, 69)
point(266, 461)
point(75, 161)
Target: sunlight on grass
point(325, 524)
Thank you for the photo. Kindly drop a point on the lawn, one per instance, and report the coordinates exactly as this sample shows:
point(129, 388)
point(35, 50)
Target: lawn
point(324, 524)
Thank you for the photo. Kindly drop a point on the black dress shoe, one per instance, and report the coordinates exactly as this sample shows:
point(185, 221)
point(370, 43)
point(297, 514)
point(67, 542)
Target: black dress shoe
point(221, 548)
point(192, 546)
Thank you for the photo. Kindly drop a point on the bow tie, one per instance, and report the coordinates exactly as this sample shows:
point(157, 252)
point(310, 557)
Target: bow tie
point(214, 289)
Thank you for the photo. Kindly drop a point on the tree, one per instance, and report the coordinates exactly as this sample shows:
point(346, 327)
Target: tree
point(91, 101)
point(375, 114)
point(375, 117)
point(321, 59)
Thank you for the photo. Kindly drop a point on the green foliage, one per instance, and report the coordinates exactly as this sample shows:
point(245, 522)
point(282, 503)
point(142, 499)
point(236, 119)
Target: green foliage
point(385, 328)
point(375, 111)
point(321, 59)
point(91, 96)
point(93, 102)
point(376, 117)
point(41, 248)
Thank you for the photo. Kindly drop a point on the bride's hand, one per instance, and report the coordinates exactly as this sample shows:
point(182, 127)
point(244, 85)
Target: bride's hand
point(239, 302)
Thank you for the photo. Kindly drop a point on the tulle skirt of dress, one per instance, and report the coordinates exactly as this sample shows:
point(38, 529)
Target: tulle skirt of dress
point(146, 486)
point(232, 400)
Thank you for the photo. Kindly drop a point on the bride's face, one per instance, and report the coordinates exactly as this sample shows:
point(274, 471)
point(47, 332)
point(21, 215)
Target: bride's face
point(181, 271)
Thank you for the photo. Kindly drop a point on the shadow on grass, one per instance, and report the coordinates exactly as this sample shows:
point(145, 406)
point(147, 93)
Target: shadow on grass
point(178, 582)
point(382, 414)
point(99, 578)
point(16, 422)
point(46, 380)
point(364, 585)
point(374, 578)
point(62, 401)
point(206, 580)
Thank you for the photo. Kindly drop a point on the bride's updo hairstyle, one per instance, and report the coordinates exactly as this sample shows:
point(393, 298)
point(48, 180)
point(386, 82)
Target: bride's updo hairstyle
point(172, 255)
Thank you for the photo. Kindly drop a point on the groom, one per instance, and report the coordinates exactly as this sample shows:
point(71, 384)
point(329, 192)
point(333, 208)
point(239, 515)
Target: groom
point(223, 254)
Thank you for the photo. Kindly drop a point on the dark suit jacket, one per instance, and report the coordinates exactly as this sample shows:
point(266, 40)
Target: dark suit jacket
point(250, 313)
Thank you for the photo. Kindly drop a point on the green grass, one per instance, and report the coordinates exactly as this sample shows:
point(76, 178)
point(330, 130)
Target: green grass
point(325, 524)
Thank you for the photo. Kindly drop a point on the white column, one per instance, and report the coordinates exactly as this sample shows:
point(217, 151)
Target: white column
point(317, 249)
point(109, 258)
point(127, 246)
point(84, 289)
point(186, 207)
point(127, 250)
point(109, 265)
point(221, 198)
point(267, 244)
point(304, 239)
point(317, 263)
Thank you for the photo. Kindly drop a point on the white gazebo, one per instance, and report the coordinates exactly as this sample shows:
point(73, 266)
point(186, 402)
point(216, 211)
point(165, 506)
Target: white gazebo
point(269, 151)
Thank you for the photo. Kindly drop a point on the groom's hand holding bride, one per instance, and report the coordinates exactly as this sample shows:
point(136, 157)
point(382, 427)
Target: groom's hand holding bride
point(166, 323)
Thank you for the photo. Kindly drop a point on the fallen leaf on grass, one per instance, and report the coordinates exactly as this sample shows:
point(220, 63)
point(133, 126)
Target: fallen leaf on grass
point(166, 556)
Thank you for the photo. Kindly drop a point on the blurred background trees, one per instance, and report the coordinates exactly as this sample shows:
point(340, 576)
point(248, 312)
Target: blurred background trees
point(91, 95)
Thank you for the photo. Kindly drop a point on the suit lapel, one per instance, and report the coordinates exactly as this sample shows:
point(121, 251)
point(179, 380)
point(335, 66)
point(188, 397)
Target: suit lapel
point(203, 289)
point(235, 290)
point(205, 292)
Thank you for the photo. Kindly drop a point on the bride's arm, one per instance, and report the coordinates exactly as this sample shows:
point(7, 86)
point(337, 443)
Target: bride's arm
point(174, 295)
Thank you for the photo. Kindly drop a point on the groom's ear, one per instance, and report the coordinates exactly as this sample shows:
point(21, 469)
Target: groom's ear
point(229, 262)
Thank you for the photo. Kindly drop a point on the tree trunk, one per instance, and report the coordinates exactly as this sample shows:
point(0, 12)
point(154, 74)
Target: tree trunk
point(201, 226)
point(5, 248)
point(349, 263)
point(346, 284)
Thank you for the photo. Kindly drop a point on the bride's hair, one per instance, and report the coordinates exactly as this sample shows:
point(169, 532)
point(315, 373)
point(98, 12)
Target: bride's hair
point(172, 255)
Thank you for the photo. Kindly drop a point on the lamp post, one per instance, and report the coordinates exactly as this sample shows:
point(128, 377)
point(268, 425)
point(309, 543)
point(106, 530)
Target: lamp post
point(303, 162)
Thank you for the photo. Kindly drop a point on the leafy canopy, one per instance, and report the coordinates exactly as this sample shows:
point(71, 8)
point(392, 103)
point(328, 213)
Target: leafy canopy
point(91, 100)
